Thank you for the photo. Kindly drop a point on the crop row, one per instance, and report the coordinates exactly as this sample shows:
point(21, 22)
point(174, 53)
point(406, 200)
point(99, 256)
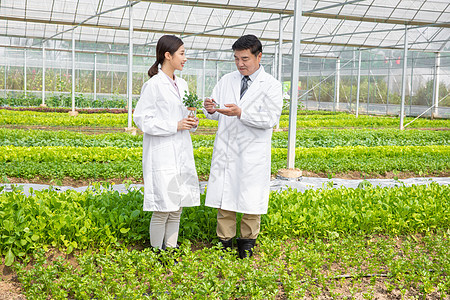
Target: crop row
point(64, 101)
point(8, 117)
point(111, 162)
point(351, 267)
point(104, 218)
point(307, 138)
point(66, 110)
point(365, 121)
point(124, 110)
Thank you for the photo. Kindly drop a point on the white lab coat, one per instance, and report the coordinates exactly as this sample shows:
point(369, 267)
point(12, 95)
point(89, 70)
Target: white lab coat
point(170, 177)
point(240, 169)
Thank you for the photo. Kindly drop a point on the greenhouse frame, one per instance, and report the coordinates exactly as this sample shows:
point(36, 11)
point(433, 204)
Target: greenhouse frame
point(374, 57)
point(320, 170)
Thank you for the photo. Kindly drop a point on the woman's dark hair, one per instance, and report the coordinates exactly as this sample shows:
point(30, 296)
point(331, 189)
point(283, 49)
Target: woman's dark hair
point(166, 43)
point(248, 41)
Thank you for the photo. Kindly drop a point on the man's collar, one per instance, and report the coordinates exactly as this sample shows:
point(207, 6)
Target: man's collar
point(254, 75)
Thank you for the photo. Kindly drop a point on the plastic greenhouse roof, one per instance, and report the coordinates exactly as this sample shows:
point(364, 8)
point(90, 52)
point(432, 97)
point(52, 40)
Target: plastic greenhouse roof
point(212, 26)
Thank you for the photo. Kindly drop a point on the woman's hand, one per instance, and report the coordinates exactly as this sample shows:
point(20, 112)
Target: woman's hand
point(187, 123)
point(197, 120)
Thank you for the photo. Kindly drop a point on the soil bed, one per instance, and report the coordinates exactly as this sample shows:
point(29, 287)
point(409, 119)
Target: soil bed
point(349, 175)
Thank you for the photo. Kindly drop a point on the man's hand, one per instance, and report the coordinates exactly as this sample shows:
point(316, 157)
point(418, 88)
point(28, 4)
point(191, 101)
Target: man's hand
point(209, 105)
point(187, 123)
point(231, 110)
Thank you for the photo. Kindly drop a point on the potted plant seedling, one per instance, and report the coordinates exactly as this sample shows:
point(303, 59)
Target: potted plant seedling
point(191, 101)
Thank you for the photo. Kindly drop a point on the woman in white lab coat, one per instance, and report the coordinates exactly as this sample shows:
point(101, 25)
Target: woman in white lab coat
point(170, 177)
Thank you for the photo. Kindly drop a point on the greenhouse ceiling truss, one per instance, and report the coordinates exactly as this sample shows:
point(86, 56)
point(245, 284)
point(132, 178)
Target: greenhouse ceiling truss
point(212, 26)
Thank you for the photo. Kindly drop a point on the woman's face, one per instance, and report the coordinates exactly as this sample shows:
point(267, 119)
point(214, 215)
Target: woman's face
point(178, 59)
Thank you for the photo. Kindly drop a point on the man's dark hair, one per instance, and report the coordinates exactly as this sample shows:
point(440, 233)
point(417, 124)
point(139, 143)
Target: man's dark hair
point(248, 41)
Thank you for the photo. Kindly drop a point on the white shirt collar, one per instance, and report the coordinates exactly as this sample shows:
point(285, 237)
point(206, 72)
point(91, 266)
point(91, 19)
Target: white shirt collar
point(254, 75)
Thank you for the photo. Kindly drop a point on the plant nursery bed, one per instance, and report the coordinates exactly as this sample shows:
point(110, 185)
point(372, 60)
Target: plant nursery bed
point(364, 243)
point(97, 130)
point(348, 267)
point(81, 129)
point(67, 181)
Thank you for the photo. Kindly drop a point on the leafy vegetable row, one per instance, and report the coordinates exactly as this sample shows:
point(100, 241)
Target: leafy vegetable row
point(112, 162)
point(307, 138)
point(97, 218)
point(305, 268)
point(120, 120)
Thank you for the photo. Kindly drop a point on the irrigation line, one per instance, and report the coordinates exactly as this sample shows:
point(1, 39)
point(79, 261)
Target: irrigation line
point(427, 109)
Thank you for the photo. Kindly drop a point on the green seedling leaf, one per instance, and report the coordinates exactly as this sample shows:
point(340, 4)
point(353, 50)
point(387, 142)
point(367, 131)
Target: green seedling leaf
point(9, 258)
point(124, 230)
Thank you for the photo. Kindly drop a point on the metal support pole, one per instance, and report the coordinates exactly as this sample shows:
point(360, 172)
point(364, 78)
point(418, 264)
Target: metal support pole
point(320, 82)
point(280, 50)
point(204, 78)
point(368, 82)
point(411, 83)
point(388, 84)
point(73, 71)
point(351, 80)
point(307, 84)
point(274, 63)
point(275, 74)
point(294, 83)
point(437, 67)
point(358, 86)
point(130, 67)
point(6, 93)
point(217, 71)
point(337, 81)
point(112, 74)
point(43, 74)
point(95, 77)
point(405, 57)
point(25, 73)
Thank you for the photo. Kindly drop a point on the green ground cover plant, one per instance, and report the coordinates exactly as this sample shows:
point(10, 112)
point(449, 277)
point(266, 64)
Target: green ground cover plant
point(421, 160)
point(104, 218)
point(8, 117)
point(112, 162)
point(365, 121)
point(362, 267)
point(34, 138)
point(310, 138)
point(64, 100)
point(362, 243)
point(307, 138)
point(66, 110)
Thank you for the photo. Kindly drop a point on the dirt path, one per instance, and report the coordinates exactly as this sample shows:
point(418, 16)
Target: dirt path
point(348, 175)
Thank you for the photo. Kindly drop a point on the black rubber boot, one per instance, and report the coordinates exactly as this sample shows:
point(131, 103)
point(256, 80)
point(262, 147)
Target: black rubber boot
point(245, 247)
point(158, 253)
point(227, 245)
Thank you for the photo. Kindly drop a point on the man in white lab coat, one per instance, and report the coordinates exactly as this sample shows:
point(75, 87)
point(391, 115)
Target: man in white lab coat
point(247, 103)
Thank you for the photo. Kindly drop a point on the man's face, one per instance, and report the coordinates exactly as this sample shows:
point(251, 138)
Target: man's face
point(246, 62)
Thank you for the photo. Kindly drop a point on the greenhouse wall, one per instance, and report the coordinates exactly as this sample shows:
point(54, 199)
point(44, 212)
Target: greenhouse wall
point(381, 79)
